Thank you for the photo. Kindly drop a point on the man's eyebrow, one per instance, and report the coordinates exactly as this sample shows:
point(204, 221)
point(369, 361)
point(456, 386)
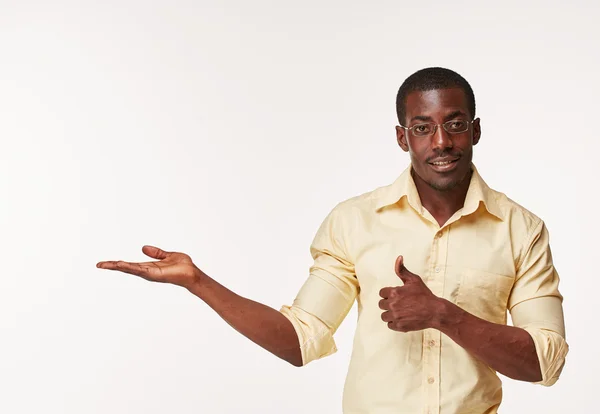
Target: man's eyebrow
point(454, 115)
point(446, 118)
point(421, 118)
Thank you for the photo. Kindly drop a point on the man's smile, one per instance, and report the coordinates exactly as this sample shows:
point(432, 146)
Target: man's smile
point(444, 164)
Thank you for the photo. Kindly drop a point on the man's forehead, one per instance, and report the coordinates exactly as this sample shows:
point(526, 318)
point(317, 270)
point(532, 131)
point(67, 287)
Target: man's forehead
point(436, 100)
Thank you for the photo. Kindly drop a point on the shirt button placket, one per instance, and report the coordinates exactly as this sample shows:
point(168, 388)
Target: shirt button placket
point(432, 340)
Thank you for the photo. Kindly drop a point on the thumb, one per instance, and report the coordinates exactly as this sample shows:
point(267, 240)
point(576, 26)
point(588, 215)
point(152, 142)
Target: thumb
point(155, 252)
point(403, 273)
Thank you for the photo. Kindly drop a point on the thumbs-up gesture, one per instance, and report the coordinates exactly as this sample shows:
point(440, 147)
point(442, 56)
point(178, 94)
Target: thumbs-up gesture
point(410, 307)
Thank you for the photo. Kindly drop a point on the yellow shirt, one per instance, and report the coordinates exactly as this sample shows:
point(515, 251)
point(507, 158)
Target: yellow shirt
point(491, 256)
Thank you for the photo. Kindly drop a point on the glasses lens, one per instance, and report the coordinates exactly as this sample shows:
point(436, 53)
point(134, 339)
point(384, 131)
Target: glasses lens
point(456, 126)
point(422, 130)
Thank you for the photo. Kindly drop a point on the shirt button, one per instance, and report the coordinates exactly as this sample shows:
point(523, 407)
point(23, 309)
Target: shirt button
point(437, 270)
point(430, 380)
point(431, 342)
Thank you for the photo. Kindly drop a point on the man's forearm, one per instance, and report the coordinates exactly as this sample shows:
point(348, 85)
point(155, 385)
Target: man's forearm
point(506, 349)
point(261, 324)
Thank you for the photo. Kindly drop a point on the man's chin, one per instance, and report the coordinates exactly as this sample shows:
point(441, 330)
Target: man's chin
point(447, 184)
point(443, 186)
point(441, 182)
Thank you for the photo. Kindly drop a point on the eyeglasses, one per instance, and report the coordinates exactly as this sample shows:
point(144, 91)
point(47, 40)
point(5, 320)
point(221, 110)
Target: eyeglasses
point(456, 126)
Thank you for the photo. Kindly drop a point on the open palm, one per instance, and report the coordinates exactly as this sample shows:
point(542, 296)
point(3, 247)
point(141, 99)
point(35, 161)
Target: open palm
point(172, 267)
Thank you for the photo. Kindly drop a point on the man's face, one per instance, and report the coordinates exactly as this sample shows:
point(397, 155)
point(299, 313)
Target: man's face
point(439, 106)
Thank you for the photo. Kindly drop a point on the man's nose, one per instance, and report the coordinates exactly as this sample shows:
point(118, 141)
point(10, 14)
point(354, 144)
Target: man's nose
point(441, 139)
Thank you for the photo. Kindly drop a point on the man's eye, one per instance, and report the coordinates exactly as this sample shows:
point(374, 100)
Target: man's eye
point(421, 129)
point(456, 125)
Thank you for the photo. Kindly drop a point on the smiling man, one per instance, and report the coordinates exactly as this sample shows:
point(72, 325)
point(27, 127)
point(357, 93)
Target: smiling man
point(435, 260)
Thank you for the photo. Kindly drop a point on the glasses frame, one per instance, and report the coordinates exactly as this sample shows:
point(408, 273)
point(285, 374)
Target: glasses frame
point(435, 126)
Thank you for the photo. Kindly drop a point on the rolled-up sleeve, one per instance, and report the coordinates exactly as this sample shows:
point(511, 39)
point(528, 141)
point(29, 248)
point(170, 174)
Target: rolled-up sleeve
point(329, 292)
point(535, 304)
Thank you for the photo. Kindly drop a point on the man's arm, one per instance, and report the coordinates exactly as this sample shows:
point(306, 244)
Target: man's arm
point(261, 324)
point(533, 350)
point(299, 333)
point(506, 349)
point(413, 307)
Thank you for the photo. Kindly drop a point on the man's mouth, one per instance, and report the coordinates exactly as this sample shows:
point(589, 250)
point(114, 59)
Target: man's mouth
point(443, 164)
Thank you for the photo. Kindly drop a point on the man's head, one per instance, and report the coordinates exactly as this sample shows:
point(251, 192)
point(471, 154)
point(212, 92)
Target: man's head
point(440, 155)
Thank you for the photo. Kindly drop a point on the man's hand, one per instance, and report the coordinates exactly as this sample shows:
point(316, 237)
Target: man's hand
point(411, 307)
point(173, 267)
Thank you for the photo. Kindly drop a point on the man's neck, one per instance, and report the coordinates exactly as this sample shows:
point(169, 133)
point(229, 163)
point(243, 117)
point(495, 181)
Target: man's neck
point(442, 204)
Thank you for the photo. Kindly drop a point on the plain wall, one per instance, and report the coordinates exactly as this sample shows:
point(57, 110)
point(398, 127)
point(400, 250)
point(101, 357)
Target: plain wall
point(228, 130)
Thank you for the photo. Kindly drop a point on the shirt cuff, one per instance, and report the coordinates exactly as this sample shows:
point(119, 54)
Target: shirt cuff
point(316, 339)
point(551, 349)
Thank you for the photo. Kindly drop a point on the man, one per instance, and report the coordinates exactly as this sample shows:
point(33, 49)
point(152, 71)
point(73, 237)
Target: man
point(434, 260)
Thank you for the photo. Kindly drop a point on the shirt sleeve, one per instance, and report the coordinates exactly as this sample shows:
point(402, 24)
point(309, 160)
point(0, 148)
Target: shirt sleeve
point(535, 305)
point(329, 292)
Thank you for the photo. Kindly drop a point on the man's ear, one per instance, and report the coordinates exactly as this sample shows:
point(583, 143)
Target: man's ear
point(401, 138)
point(476, 131)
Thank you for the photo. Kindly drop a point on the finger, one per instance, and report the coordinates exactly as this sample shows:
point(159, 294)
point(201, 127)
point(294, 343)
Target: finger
point(390, 292)
point(384, 304)
point(387, 316)
point(403, 273)
point(146, 270)
point(155, 252)
point(120, 264)
point(385, 292)
point(399, 326)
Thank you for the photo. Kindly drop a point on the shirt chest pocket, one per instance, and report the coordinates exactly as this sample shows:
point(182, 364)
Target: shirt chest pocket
point(484, 294)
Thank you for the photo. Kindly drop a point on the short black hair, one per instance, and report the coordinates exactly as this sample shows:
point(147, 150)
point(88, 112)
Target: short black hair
point(429, 79)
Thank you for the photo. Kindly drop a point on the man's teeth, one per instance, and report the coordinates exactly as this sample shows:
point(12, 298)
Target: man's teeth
point(443, 163)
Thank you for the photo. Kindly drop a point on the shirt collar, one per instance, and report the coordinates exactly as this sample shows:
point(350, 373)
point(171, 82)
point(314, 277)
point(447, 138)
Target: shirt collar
point(404, 186)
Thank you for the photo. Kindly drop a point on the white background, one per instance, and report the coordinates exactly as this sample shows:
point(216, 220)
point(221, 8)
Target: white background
point(228, 130)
